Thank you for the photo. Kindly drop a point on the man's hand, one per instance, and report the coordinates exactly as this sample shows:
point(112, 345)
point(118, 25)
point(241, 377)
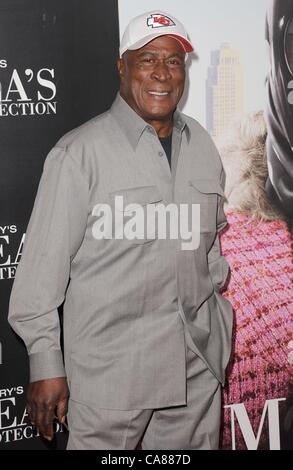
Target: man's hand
point(43, 397)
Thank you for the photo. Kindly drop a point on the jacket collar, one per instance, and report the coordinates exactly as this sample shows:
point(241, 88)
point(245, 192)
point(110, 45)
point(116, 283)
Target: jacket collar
point(133, 125)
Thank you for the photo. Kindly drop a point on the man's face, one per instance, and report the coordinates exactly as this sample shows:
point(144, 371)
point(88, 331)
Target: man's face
point(152, 78)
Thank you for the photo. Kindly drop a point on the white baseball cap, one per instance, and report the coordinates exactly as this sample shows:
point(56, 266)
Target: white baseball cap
point(148, 26)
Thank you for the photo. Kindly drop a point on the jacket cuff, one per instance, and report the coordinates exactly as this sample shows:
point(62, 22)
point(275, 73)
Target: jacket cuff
point(46, 365)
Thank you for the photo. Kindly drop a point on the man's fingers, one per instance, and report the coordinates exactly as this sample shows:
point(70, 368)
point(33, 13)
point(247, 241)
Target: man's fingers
point(62, 407)
point(31, 410)
point(44, 421)
point(43, 396)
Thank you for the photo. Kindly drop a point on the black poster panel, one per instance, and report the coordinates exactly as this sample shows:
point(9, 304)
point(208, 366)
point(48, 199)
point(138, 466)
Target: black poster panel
point(57, 70)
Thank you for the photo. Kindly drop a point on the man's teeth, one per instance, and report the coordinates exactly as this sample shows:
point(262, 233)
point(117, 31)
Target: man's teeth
point(157, 93)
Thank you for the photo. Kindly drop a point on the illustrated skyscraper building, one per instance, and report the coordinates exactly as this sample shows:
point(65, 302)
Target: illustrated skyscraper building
point(224, 89)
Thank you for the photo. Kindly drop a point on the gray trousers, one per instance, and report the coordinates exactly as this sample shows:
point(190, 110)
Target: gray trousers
point(192, 426)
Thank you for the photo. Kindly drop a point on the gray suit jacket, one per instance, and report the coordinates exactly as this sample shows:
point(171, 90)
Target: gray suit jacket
point(128, 303)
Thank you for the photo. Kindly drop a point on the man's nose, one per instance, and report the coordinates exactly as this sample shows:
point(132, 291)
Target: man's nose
point(161, 71)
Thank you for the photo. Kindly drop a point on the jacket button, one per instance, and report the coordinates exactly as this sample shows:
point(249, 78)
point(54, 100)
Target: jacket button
point(160, 154)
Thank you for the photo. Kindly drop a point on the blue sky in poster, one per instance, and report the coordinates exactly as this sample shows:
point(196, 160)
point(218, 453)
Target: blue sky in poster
point(210, 23)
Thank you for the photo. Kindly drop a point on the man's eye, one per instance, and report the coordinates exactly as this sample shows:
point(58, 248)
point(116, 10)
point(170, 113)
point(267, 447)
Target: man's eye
point(148, 59)
point(174, 62)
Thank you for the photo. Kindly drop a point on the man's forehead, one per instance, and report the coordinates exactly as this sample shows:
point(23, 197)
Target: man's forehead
point(162, 44)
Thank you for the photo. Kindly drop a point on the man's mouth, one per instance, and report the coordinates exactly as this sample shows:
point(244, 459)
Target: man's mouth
point(158, 93)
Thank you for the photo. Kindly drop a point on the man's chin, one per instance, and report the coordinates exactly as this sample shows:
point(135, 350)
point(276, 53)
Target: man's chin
point(159, 113)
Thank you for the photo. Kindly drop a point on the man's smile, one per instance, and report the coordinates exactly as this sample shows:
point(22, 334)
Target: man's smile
point(158, 93)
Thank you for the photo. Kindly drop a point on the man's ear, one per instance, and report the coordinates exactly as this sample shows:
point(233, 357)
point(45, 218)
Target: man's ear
point(121, 67)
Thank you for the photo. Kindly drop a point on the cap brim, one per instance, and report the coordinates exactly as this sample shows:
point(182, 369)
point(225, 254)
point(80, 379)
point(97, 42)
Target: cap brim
point(186, 45)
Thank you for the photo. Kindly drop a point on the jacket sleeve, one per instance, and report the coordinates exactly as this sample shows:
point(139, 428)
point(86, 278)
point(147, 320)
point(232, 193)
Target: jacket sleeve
point(218, 266)
point(55, 231)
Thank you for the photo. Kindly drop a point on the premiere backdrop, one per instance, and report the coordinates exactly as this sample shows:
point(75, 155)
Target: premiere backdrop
point(57, 69)
point(240, 89)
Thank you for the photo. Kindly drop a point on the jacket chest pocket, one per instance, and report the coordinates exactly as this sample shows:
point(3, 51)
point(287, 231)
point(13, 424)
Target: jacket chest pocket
point(131, 218)
point(206, 193)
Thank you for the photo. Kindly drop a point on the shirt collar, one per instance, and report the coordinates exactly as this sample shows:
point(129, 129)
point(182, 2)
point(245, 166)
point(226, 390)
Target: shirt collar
point(133, 125)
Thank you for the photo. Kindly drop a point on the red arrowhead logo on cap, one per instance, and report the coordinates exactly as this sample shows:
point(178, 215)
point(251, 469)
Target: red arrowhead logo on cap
point(157, 21)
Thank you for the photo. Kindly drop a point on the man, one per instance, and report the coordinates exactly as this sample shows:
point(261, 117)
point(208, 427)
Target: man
point(147, 334)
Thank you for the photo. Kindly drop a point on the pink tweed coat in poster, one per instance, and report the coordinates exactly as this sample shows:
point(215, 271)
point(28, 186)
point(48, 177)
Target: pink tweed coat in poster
point(260, 291)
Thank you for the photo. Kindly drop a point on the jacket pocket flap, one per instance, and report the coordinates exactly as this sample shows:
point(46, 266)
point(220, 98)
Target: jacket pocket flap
point(141, 195)
point(207, 186)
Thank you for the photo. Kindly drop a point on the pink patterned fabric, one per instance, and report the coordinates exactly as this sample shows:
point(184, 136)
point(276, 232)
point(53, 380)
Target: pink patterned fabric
point(260, 290)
